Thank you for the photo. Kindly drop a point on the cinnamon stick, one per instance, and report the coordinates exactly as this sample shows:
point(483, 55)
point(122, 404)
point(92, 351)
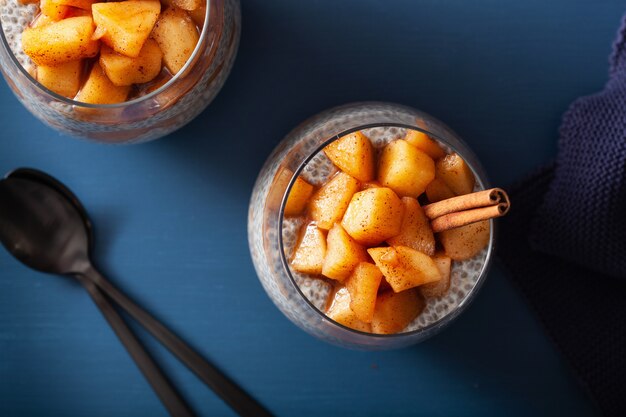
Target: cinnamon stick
point(483, 198)
point(463, 218)
point(466, 209)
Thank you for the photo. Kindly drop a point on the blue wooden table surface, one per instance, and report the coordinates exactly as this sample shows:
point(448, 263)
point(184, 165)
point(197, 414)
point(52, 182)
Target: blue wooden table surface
point(171, 216)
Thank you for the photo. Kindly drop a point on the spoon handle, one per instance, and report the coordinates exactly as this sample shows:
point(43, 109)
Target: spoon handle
point(230, 392)
point(172, 401)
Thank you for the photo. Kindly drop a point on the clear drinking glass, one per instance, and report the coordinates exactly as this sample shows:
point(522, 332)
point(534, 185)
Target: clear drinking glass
point(268, 233)
point(145, 118)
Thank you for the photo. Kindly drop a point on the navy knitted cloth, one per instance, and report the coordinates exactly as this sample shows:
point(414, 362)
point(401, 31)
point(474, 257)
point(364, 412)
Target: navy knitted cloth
point(571, 266)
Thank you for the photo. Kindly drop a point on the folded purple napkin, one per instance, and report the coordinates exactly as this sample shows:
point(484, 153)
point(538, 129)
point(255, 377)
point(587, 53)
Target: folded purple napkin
point(564, 240)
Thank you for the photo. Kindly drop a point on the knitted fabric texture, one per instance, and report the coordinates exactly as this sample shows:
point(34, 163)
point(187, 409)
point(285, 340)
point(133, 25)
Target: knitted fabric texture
point(583, 216)
point(572, 264)
point(583, 311)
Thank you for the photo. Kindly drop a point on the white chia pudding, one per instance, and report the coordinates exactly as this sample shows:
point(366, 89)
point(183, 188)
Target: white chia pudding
point(317, 289)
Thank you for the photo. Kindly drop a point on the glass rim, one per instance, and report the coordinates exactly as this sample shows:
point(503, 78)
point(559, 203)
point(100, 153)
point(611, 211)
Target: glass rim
point(137, 100)
point(438, 324)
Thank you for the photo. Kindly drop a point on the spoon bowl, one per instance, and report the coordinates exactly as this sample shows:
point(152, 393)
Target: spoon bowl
point(49, 181)
point(42, 228)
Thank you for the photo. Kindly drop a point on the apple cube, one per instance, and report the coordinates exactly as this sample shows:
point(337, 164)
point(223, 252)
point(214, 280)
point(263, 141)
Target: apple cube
point(363, 288)
point(370, 184)
point(424, 143)
point(415, 231)
point(198, 15)
point(456, 174)
point(60, 42)
point(309, 256)
point(298, 197)
point(441, 287)
point(341, 312)
point(80, 4)
point(405, 169)
point(188, 4)
point(330, 202)
point(373, 215)
point(76, 12)
point(98, 89)
point(63, 79)
point(343, 254)
point(177, 36)
point(465, 242)
point(123, 70)
point(438, 190)
point(126, 25)
point(42, 20)
point(404, 267)
point(354, 155)
point(53, 9)
point(395, 311)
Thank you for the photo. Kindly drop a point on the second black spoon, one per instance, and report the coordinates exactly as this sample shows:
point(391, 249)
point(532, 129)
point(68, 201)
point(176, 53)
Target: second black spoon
point(44, 226)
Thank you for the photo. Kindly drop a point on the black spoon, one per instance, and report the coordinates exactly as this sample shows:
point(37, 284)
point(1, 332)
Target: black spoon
point(44, 226)
point(15, 218)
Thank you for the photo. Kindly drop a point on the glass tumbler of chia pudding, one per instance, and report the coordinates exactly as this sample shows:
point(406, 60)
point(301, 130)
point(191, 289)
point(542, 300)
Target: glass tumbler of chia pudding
point(309, 290)
point(117, 72)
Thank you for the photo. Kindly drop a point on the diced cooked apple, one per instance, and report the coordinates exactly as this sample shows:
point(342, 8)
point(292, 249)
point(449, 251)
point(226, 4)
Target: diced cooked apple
point(343, 254)
point(373, 215)
point(298, 197)
point(124, 70)
point(424, 143)
point(309, 256)
point(188, 4)
point(280, 182)
point(177, 36)
point(439, 288)
point(53, 9)
point(330, 202)
point(438, 190)
point(363, 288)
point(98, 89)
point(354, 155)
point(41, 20)
point(395, 311)
point(198, 15)
point(63, 79)
point(466, 241)
point(341, 312)
point(76, 12)
point(456, 174)
point(415, 231)
point(370, 184)
point(404, 267)
point(405, 169)
point(80, 4)
point(125, 25)
point(60, 42)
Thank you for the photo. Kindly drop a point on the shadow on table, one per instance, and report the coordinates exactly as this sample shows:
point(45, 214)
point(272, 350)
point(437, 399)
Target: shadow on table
point(108, 222)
